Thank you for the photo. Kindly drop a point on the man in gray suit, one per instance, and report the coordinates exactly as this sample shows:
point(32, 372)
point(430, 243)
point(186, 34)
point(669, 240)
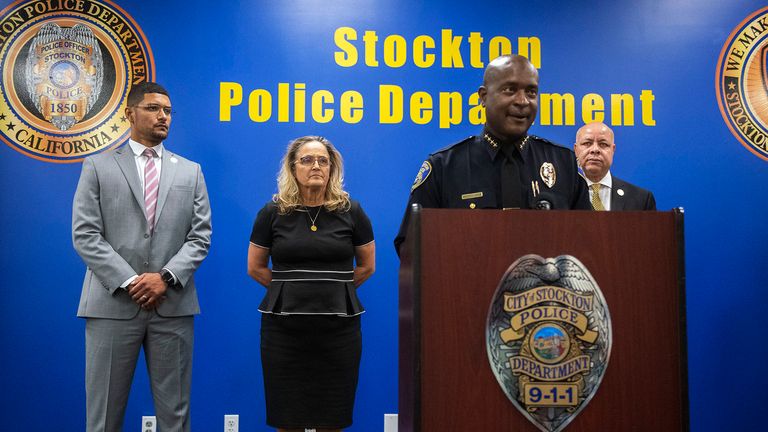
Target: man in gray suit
point(594, 149)
point(141, 222)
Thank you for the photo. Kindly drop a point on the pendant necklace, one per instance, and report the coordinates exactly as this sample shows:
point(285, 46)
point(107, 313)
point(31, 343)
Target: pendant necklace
point(312, 220)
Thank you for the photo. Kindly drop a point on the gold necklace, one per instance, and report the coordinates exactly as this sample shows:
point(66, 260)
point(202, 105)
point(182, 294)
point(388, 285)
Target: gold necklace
point(312, 220)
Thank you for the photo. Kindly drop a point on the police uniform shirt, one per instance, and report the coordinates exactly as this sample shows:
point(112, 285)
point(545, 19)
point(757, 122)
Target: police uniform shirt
point(468, 175)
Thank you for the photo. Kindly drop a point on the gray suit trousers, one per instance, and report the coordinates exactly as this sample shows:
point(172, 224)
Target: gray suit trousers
point(112, 349)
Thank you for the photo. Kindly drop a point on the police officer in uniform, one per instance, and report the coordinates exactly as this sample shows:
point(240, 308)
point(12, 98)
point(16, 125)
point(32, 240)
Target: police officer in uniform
point(503, 167)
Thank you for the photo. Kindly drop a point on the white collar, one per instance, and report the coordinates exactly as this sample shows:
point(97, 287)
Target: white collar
point(606, 181)
point(138, 148)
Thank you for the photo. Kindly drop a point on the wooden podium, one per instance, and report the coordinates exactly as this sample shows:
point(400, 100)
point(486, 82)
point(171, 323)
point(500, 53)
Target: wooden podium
point(452, 262)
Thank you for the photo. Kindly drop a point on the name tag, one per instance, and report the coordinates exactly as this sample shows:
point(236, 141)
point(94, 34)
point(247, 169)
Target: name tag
point(471, 195)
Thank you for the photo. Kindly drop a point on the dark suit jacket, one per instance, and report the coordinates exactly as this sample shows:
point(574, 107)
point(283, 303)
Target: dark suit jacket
point(634, 198)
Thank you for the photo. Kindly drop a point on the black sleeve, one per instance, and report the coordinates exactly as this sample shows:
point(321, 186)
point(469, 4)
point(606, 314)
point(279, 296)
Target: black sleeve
point(261, 234)
point(425, 191)
point(580, 190)
point(362, 231)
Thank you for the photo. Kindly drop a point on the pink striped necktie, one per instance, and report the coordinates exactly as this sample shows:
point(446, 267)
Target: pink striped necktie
point(151, 183)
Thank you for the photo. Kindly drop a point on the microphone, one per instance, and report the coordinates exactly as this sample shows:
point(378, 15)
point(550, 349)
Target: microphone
point(543, 204)
point(543, 201)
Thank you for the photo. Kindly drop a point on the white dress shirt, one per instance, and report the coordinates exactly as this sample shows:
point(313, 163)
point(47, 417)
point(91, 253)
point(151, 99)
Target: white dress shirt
point(141, 164)
point(141, 160)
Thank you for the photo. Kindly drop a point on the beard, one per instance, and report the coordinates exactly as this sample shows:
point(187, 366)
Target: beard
point(160, 135)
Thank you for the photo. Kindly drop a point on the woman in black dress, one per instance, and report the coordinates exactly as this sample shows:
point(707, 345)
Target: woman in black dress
point(321, 246)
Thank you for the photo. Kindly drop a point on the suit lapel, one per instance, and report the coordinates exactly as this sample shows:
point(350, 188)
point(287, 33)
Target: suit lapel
point(167, 174)
point(617, 201)
point(127, 163)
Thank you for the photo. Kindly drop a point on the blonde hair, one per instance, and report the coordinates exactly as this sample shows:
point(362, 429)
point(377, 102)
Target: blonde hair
point(288, 196)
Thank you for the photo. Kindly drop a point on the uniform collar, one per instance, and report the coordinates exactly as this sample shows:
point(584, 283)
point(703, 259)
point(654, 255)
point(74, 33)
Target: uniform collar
point(494, 145)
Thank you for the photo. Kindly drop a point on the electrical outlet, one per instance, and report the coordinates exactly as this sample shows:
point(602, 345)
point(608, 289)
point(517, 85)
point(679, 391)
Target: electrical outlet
point(390, 422)
point(148, 424)
point(231, 422)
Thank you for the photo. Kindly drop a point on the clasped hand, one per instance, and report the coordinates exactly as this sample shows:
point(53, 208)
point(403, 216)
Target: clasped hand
point(147, 290)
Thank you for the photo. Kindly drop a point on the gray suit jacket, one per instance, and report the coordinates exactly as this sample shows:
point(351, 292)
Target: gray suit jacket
point(632, 197)
point(111, 234)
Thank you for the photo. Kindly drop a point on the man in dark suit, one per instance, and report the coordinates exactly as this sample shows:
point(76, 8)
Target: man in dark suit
point(141, 222)
point(594, 149)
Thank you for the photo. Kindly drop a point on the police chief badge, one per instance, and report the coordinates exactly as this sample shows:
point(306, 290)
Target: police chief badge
point(64, 73)
point(548, 174)
point(548, 337)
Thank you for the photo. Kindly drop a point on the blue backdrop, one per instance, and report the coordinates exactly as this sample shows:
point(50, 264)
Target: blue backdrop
point(682, 150)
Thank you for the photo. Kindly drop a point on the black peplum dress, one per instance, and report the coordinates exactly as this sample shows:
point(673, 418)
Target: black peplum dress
point(310, 328)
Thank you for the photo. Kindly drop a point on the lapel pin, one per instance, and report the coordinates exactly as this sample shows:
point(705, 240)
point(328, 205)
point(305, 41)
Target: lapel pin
point(173, 159)
point(620, 192)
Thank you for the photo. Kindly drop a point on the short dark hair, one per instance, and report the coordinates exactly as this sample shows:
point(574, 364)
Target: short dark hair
point(138, 91)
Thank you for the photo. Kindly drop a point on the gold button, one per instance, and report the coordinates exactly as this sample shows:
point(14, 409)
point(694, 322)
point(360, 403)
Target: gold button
point(472, 205)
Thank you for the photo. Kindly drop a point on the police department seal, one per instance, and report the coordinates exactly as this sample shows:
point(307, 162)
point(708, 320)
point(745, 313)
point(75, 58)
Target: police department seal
point(741, 82)
point(73, 63)
point(548, 338)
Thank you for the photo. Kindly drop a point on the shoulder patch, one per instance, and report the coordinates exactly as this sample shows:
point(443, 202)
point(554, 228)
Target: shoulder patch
point(424, 172)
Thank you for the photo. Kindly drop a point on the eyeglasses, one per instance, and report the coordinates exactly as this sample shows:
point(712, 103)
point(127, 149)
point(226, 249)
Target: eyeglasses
point(154, 109)
point(310, 161)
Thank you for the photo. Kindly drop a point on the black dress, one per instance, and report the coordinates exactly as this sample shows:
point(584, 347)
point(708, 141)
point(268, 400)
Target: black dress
point(310, 328)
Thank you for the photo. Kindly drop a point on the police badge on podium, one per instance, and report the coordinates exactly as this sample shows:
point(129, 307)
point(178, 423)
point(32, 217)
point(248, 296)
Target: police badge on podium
point(548, 338)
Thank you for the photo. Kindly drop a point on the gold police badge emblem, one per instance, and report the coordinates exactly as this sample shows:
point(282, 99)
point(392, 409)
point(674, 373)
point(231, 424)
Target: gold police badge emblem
point(70, 66)
point(64, 78)
point(548, 174)
point(548, 338)
point(741, 82)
